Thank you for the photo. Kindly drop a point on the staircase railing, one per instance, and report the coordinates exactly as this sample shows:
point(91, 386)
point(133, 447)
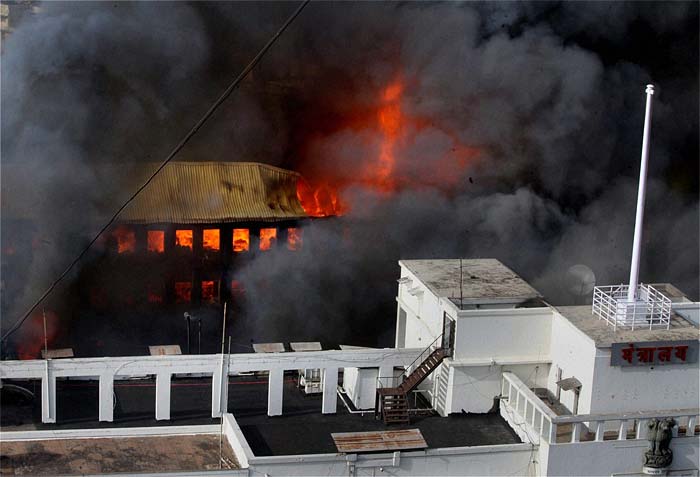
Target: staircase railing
point(421, 357)
point(397, 380)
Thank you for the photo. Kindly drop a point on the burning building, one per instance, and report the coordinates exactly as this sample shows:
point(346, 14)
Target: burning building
point(175, 247)
point(197, 221)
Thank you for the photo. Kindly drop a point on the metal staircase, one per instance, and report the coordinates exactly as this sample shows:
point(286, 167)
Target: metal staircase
point(391, 402)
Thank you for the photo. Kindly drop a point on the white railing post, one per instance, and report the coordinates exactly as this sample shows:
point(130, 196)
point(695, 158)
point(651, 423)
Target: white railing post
point(275, 392)
point(534, 415)
point(600, 431)
point(690, 428)
point(641, 429)
point(622, 432)
point(552, 432)
point(330, 385)
point(541, 423)
point(163, 396)
point(575, 432)
point(106, 397)
point(48, 394)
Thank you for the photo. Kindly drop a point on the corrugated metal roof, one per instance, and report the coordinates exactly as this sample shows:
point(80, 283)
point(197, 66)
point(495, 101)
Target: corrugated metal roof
point(206, 192)
point(182, 193)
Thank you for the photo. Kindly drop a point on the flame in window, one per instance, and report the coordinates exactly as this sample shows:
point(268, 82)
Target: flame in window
point(183, 292)
point(210, 291)
point(156, 241)
point(237, 290)
point(241, 240)
point(126, 239)
point(294, 238)
point(183, 238)
point(268, 237)
point(210, 239)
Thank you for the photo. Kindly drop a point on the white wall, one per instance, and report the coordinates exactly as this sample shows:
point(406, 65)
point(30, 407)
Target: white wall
point(613, 389)
point(510, 334)
point(473, 388)
point(642, 388)
point(513, 459)
point(574, 353)
point(360, 385)
point(612, 457)
point(424, 314)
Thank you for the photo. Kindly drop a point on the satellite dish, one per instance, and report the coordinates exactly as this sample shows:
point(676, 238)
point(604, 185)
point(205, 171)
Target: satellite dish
point(579, 280)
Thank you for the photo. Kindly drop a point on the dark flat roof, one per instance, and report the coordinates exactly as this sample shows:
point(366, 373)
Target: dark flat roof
point(302, 429)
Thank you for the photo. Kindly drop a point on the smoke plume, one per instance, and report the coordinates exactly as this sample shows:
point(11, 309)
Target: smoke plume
point(540, 104)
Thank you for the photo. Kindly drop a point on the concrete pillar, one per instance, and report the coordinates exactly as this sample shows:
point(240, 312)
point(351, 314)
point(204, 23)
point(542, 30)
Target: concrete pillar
point(330, 385)
point(106, 398)
point(163, 396)
point(275, 389)
point(219, 393)
point(48, 396)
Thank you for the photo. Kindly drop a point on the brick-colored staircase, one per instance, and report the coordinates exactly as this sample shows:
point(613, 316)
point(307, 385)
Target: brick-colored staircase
point(392, 403)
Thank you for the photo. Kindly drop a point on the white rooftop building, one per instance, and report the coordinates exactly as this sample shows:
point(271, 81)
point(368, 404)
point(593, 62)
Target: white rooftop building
point(494, 380)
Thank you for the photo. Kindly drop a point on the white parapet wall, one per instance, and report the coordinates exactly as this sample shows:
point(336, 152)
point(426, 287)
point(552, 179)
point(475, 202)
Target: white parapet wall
point(593, 444)
point(163, 367)
point(613, 457)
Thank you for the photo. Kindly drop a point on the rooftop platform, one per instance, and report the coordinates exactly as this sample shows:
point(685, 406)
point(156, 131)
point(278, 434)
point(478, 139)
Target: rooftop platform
point(604, 335)
point(302, 429)
point(483, 280)
point(111, 455)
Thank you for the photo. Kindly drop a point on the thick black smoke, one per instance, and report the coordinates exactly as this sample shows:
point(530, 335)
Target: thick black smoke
point(551, 94)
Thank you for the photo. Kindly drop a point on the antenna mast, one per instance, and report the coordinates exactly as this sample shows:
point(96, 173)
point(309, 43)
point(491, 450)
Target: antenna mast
point(461, 293)
point(639, 220)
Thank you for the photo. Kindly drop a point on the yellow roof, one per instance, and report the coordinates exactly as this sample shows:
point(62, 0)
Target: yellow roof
point(182, 193)
point(206, 192)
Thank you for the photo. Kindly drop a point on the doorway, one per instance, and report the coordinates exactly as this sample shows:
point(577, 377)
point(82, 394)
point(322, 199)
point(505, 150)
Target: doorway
point(448, 334)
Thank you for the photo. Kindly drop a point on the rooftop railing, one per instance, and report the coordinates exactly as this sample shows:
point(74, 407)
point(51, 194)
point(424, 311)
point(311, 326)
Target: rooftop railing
point(534, 420)
point(650, 310)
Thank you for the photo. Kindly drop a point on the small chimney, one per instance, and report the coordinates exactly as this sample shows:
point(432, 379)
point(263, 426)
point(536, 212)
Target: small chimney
point(635, 305)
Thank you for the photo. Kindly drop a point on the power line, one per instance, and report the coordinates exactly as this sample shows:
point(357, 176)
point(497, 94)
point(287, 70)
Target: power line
point(227, 92)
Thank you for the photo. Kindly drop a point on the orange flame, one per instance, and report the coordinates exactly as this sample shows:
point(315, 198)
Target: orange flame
point(183, 292)
point(383, 171)
point(268, 238)
point(126, 239)
point(183, 238)
point(241, 240)
point(390, 122)
point(210, 291)
point(294, 238)
point(210, 239)
point(156, 241)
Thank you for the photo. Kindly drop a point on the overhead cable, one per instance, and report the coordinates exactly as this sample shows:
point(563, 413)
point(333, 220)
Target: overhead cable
point(227, 92)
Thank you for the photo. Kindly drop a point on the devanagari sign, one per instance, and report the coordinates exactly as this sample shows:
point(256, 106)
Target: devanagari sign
point(653, 353)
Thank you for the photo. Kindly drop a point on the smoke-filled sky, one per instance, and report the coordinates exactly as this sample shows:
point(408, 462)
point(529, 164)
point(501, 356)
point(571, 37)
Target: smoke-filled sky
point(546, 98)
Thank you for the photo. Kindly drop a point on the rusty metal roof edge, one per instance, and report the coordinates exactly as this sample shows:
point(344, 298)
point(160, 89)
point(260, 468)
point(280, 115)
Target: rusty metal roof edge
point(233, 163)
point(219, 221)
